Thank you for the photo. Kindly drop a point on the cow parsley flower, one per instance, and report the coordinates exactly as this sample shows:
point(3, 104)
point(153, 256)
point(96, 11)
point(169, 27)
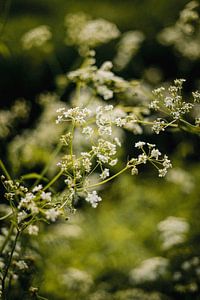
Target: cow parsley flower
point(33, 230)
point(139, 144)
point(173, 231)
point(86, 33)
point(37, 188)
point(46, 196)
point(36, 37)
point(127, 48)
point(184, 34)
point(150, 270)
point(105, 174)
point(52, 214)
point(93, 199)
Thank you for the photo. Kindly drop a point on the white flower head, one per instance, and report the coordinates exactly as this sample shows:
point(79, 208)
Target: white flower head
point(37, 188)
point(139, 144)
point(93, 199)
point(150, 270)
point(104, 174)
point(33, 230)
point(36, 37)
point(52, 214)
point(46, 196)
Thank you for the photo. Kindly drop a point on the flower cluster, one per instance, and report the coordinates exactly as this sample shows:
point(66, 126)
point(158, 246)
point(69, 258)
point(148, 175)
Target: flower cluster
point(36, 37)
point(76, 279)
point(173, 231)
point(18, 111)
point(127, 48)
point(30, 205)
point(76, 115)
point(150, 270)
point(173, 101)
point(86, 33)
point(153, 155)
point(169, 101)
point(98, 127)
point(184, 35)
point(102, 80)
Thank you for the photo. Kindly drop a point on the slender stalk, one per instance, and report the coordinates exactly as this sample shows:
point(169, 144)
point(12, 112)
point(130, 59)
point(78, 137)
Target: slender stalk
point(4, 296)
point(53, 180)
point(2, 166)
point(172, 124)
point(152, 123)
point(189, 127)
point(7, 238)
point(6, 216)
point(153, 164)
point(106, 180)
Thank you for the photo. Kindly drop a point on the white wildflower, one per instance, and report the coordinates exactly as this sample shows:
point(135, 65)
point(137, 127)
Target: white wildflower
point(21, 216)
point(113, 162)
point(36, 37)
point(154, 105)
point(173, 231)
point(21, 265)
point(86, 161)
point(52, 214)
point(46, 196)
point(93, 199)
point(96, 32)
point(77, 280)
point(150, 270)
point(76, 114)
point(86, 33)
point(155, 153)
point(142, 158)
point(105, 174)
point(88, 131)
point(37, 188)
point(105, 92)
point(140, 144)
point(127, 48)
point(158, 125)
point(33, 230)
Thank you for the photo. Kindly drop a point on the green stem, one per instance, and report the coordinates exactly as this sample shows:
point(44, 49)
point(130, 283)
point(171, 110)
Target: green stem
point(53, 180)
point(171, 124)
point(7, 238)
point(8, 266)
point(189, 127)
point(153, 164)
point(107, 180)
point(2, 166)
point(151, 123)
point(6, 216)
